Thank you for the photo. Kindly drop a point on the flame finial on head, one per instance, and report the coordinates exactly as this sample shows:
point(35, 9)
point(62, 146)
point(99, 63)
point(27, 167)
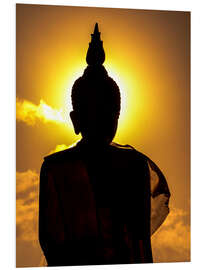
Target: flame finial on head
point(95, 53)
point(96, 29)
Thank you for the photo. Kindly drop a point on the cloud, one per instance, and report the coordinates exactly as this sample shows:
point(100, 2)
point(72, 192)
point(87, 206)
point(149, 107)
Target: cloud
point(27, 195)
point(171, 243)
point(30, 113)
point(61, 147)
point(27, 206)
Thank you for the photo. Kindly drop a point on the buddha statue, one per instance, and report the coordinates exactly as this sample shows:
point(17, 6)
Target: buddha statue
point(100, 202)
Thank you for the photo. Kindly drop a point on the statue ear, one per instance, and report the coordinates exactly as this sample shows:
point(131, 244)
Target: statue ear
point(75, 120)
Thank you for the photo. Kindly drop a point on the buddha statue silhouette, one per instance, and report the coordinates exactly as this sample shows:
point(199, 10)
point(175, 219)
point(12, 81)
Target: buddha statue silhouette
point(100, 202)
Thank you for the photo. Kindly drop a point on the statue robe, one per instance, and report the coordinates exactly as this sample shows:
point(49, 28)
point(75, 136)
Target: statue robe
point(95, 205)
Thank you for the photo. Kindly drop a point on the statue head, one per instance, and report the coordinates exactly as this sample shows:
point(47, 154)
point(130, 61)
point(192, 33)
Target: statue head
point(95, 97)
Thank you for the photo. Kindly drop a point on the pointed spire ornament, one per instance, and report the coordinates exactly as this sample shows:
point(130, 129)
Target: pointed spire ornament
point(95, 86)
point(95, 53)
point(96, 29)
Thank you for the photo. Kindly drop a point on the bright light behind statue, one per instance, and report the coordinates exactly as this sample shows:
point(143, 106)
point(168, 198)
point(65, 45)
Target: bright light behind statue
point(129, 98)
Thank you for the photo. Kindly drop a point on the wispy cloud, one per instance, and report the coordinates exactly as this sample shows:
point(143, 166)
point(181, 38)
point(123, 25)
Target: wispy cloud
point(29, 113)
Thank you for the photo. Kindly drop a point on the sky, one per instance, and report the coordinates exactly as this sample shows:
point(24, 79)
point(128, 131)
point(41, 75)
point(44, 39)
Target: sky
point(148, 55)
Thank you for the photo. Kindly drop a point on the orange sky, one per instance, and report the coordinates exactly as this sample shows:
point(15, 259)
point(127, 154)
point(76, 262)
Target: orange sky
point(148, 54)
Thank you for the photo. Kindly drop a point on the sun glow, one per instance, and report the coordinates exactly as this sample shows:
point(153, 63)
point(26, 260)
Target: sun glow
point(131, 101)
point(50, 113)
point(122, 85)
point(66, 87)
